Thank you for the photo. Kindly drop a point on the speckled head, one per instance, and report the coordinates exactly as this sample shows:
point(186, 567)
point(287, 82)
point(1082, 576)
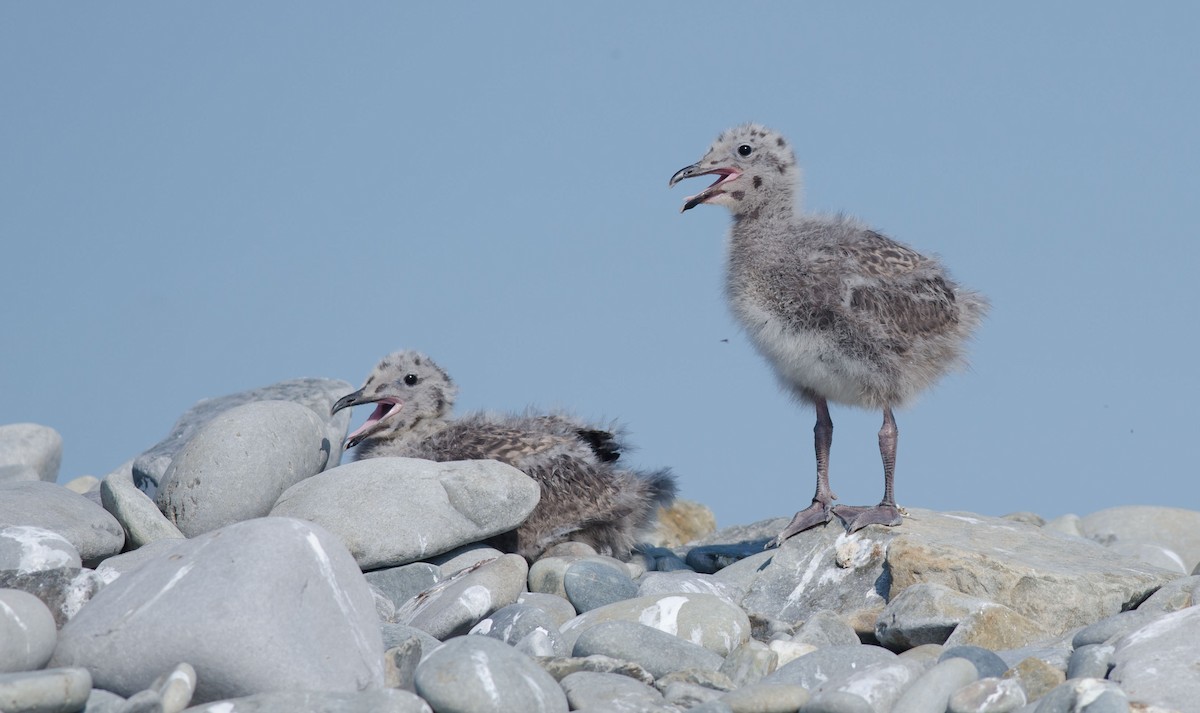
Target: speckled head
point(755, 168)
point(406, 387)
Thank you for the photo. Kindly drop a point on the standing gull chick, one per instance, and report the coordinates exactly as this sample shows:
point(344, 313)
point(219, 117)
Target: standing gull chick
point(841, 312)
point(584, 495)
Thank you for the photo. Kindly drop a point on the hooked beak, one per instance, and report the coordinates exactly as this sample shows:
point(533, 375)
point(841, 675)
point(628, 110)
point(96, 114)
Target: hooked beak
point(384, 407)
point(724, 175)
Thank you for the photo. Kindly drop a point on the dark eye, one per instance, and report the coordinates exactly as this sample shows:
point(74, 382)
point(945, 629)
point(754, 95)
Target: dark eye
point(745, 150)
point(410, 379)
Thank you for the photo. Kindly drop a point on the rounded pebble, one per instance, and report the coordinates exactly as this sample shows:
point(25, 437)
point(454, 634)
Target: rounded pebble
point(53, 689)
point(590, 585)
point(987, 663)
point(988, 695)
point(476, 673)
point(932, 691)
point(27, 632)
point(658, 652)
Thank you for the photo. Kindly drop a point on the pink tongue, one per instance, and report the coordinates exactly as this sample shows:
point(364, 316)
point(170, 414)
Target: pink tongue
point(381, 409)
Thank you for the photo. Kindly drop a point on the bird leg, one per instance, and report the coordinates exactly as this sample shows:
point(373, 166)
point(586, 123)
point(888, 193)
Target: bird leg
point(886, 512)
point(819, 512)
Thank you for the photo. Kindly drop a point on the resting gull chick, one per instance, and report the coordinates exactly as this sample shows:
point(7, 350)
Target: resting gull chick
point(841, 312)
point(584, 495)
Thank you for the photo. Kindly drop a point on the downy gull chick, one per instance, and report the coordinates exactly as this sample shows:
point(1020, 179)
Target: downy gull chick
point(841, 312)
point(585, 496)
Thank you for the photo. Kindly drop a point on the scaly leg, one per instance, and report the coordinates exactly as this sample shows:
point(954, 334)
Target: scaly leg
point(886, 512)
point(819, 512)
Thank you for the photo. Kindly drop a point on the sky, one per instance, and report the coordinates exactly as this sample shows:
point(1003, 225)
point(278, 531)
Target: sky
point(202, 198)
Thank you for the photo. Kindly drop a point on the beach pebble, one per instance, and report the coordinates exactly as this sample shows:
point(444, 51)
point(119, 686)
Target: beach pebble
point(392, 511)
point(558, 609)
point(987, 664)
point(92, 531)
point(825, 628)
point(27, 632)
point(26, 548)
point(610, 691)
point(54, 689)
point(767, 698)
point(987, 695)
point(476, 673)
point(1156, 663)
point(383, 701)
point(589, 585)
point(654, 650)
point(452, 606)
point(139, 516)
point(701, 619)
point(293, 587)
point(932, 691)
point(406, 581)
point(513, 623)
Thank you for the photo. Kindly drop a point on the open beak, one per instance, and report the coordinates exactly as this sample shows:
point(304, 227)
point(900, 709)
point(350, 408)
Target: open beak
point(724, 175)
point(384, 408)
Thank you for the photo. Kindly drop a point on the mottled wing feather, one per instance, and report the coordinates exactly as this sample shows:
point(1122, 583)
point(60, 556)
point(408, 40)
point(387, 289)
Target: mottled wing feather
point(879, 256)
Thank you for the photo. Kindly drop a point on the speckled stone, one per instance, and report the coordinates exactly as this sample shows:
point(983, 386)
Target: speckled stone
point(453, 606)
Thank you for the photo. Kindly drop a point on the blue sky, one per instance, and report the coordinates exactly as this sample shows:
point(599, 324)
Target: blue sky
point(201, 198)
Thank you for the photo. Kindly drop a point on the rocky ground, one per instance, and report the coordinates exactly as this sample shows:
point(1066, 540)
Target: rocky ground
point(235, 567)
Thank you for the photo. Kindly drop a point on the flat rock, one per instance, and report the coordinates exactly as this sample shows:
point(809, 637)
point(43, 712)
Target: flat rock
point(382, 701)
point(1058, 581)
point(658, 652)
point(451, 607)
point(609, 691)
point(94, 533)
point(512, 624)
point(476, 673)
point(558, 609)
point(702, 619)
point(26, 548)
point(925, 613)
point(591, 585)
point(29, 446)
point(27, 632)
point(318, 395)
point(237, 465)
point(139, 516)
point(406, 581)
point(273, 580)
point(392, 511)
point(1174, 529)
point(60, 689)
point(1156, 663)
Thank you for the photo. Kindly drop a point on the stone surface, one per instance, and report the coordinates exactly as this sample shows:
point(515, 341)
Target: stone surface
point(29, 446)
point(57, 689)
point(139, 516)
point(453, 606)
point(384, 701)
point(825, 628)
point(513, 623)
point(63, 590)
point(117, 565)
point(988, 695)
point(986, 663)
point(997, 627)
point(1174, 529)
point(590, 585)
point(476, 673)
point(610, 691)
point(406, 581)
point(1037, 678)
point(558, 609)
point(560, 667)
point(932, 691)
point(767, 698)
point(460, 558)
point(392, 511)
point(687, 582)
point(872, 673)
point(701, 619)
point(749, 663)
point(1157, 663)
point(26, 548)
point(237, 465)
point(27, 632)
point(925, 613)
point(93, 533)
point(318, 395)
point(652, 649)
point(214, 599)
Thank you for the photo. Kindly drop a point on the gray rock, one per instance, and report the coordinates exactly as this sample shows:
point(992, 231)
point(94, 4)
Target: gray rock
point(102, 701)
point(591, 585)
point(1054, 652)
point(767, 698)
point(1068, 524)
point(547, 574)
point(1174, 529)
point(27, 632)
point(317, 394)
point(117, 565)
point(654, 650)
point(60, 689)
point(1057, 581)
point(237, 465)
point(29, 446)
point(932, 691)
point(289, 582)
point(688, 695)
point(174, 689)
point(398, 634)
point(63, 590)
point(385, 608)
point(825, 628)
point(1037, 678)
point(714, 680)
point(1174, 595)
point(400, 664)
point(15, 472)
point(570, 548)
point(997, 627)
point(925, 613)
point(987, 664)
point(26, 548)
point(476, 673)
point(1091, 661)
point(384, 701)
point(93, 532)
point(460, 558)
point(514, 622)
point(559, 668)
point(714, 706)
point(1151, 554)
point(392, 511)
point(406, 581)
point(755, 534)
point(749, 663)
point(1081, 694)
point(558, 609)
point(139, 516)
point(609, 691)
point(1114, 626)
point(1156, 663)
point(701, 619)
point(837, 702)
point(827, 668)
point(688, 582)
point(988, 695)
point(453, 606)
